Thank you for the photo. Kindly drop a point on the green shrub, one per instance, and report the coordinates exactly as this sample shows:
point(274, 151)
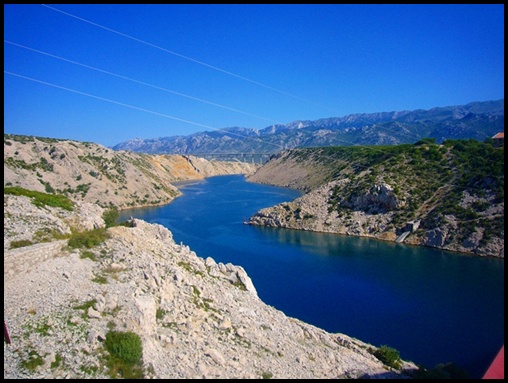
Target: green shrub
point(159, 314)
point(41, 199)
point(48, 188)
point(125, 346)
point(125, 350)
point(87, 254)
point(388, 356)
point(100, 279)
point(110, 216)
point(20, 243)
point(34, 360)
point(88, 239)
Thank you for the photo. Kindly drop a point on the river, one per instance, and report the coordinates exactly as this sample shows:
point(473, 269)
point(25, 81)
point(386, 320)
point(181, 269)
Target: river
point(432, 306)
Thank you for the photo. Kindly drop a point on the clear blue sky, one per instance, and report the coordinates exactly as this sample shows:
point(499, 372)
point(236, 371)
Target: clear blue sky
point(109, 73)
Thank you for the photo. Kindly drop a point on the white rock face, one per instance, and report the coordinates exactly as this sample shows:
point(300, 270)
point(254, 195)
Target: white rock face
point(196, 318)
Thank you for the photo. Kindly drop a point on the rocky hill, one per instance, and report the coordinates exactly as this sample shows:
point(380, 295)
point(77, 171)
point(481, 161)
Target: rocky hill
point(92, 301)
point(476, 120)
point(449, 196)
point(93, 173)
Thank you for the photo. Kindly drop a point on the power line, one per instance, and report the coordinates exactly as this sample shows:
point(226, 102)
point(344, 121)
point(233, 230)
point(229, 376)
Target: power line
point(134, 107)
point(161, 88)
point(333, 158)
point(150, 85)
point(158, 87)
point(186, 57)
point(141, 82)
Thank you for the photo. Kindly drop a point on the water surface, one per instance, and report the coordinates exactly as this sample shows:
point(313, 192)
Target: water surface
point(432, 306)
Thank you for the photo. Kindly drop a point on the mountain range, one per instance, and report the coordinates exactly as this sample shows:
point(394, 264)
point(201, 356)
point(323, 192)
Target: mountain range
point(476, 120)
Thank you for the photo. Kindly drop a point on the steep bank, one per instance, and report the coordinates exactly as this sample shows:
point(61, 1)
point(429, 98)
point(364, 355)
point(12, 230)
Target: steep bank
point(90, 172)
point(448, 196)
point(196, 318)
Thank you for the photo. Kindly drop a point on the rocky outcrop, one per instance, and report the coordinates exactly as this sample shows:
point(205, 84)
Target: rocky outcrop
point(379, 198)
point(370, 215)
point(312, 212)
point(24, 221)
point(196, 318)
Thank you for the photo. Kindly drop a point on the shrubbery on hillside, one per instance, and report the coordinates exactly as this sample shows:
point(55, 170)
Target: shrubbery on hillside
point(42, 199)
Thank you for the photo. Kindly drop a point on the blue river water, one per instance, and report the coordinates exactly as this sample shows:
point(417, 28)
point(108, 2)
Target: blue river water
point(432, 306)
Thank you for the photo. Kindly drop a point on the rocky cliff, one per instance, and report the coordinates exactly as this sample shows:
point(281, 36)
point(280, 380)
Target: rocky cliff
point(195, 318)
point(448, 196)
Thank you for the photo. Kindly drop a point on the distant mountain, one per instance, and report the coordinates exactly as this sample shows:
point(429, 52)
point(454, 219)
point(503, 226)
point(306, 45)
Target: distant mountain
point(477, 120)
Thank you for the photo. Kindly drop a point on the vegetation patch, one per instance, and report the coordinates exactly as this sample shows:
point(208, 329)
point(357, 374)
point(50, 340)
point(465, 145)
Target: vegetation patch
point(88, 239)
point(388, 356)
point(85, 306)
point(58, 361)
point(159, 314)
point(110, 216)
point(20, 243)
point(47, 235)
point(267, 375)
point(188, 267)
point(100, 279)
point(87, 254)
point(238, 283)
point(32, 362)
point(125, 355)
point(89, 370)
point(40, 199)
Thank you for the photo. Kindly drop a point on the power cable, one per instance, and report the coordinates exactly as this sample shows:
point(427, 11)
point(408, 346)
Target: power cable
point(141, 82)
point(334, 158)
point(131, 106)
point(185, 57)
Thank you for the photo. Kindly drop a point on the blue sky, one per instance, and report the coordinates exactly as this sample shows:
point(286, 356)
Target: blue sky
point(110, 73)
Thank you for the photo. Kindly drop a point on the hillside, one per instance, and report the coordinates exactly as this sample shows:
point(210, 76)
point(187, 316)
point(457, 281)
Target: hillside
point(449, 196)
point(476, 120)
point(93, 173)
point(87, 298)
